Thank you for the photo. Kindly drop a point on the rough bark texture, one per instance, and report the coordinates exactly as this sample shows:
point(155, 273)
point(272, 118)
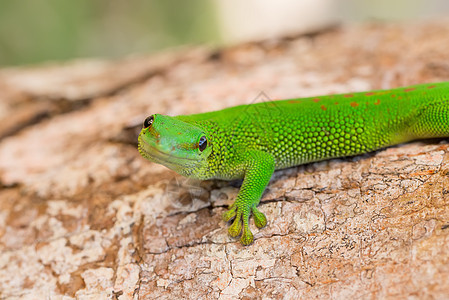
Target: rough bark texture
point(83, 215)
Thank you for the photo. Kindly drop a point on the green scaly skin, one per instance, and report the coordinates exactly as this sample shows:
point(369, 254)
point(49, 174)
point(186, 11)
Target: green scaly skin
point(251, 141)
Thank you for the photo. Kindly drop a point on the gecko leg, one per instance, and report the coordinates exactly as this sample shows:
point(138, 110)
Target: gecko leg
point(259, 167)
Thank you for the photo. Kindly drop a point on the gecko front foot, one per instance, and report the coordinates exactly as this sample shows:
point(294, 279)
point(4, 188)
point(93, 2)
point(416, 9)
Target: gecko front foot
point(259, 167)
point(241, 213)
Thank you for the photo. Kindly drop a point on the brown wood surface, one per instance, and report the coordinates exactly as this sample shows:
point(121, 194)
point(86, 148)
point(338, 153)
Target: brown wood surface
point(83, 215)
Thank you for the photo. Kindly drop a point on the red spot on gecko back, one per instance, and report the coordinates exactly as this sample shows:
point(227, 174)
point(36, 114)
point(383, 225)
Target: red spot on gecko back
point(349, 95)
point(323, 107)
point(393, 95)
point(354, 104)
point(336, 103)
point(370, 93)
point(409, 89)
point(294, 101)
point(316, 100)
point(377, 102)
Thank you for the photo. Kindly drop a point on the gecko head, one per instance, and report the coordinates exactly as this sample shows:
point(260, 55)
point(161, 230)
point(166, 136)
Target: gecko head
point(178, 145)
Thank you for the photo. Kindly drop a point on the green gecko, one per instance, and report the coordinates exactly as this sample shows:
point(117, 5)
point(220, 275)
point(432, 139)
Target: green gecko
point(252, 141)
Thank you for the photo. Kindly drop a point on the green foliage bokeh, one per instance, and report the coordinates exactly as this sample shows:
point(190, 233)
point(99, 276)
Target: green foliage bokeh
point(41, 30)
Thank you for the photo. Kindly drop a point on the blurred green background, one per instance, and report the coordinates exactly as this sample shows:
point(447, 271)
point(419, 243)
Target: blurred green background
point(53, 30)
point(40, 30)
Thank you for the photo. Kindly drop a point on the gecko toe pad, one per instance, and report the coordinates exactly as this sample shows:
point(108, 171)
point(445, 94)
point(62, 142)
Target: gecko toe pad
point(259, 218)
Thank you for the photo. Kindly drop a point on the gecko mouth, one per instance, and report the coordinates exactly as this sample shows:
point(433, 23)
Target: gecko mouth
point(165, 158)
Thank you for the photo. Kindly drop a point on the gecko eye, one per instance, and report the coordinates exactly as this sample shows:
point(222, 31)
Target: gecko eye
point(148, 121)
point(202, 144)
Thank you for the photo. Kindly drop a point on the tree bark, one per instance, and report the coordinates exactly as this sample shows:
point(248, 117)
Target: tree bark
point(83, 215)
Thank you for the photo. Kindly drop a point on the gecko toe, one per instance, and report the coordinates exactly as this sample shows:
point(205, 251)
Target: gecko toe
point(247, 236)
point(236, 227)
point(230, 214)
point(259, 218)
